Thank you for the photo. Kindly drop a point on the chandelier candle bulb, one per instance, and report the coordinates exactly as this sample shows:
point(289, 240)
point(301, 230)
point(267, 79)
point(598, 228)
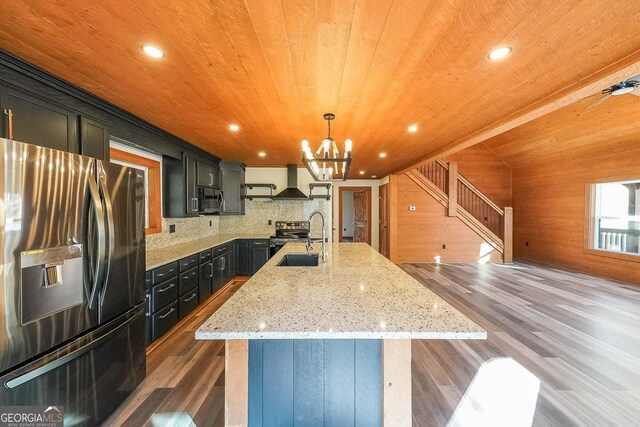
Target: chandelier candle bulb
point(347, 146)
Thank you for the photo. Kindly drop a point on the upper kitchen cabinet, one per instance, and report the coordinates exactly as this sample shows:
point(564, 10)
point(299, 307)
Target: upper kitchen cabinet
point(181, 182)
point(30, 119)
point(208, 175)
point(231, 182)
point(94, 138)
point(180, 195)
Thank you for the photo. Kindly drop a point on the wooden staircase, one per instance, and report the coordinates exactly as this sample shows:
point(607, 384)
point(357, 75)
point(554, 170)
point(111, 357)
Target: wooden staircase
point(463, 200)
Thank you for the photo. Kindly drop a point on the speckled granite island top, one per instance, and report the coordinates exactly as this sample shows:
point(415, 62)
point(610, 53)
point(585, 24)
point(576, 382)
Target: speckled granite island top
point(158, 257)
point(358, 294)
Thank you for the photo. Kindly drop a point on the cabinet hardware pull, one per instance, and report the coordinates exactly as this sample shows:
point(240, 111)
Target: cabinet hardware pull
point(164, 274)
point(166, 289)
point(170, 311)
point(191, 297)
point(8, 123)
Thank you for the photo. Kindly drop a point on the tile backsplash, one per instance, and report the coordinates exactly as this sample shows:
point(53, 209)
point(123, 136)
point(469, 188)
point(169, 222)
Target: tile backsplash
point(255, 221)
point(186, 229)
point(259, 212)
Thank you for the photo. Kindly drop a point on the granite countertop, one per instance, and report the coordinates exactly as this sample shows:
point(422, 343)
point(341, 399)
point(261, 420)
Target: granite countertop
point(358, 294)
point(156, 258)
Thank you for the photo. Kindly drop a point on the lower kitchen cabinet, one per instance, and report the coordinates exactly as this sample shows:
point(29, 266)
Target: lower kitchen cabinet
point(260, 254)
point(206, 280)
point(176, 289)
point(164, 320)
point(243, 257)
point(188, 302)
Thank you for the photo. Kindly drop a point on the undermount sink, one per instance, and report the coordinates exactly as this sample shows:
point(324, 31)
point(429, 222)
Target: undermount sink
point(299, 260)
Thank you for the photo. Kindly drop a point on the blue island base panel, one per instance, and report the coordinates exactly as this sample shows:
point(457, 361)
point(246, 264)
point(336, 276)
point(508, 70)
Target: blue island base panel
point(315, 383)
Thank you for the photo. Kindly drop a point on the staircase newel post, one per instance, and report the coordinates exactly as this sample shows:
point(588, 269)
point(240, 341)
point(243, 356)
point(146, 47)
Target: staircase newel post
point(452, 188)
point(508, 236)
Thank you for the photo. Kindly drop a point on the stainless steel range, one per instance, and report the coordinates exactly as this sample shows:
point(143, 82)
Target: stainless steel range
point(288, 232)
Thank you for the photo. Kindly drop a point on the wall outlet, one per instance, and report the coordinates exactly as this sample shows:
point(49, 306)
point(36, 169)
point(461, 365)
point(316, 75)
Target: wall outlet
point(412, 208)
point(444, 246)
point(210, 223)
point(269, 222)
point(172, 228)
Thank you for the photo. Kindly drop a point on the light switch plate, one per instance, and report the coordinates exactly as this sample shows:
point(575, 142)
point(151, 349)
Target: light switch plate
point(412, 208)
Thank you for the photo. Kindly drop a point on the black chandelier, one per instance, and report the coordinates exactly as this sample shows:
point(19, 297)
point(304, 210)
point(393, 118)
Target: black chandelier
point(326, 164)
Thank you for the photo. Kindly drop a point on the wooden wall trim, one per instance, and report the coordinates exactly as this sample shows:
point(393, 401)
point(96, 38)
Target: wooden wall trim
point(236, 379)
point(154, 186)
point(393, 218)
point(396, 378)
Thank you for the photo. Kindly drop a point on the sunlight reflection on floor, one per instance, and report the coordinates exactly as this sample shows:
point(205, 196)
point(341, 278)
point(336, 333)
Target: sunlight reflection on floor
point(173, 419)
point(502, 394)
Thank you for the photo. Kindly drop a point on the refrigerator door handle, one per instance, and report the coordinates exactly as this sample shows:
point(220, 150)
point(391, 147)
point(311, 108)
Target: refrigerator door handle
point(99, 263)
point(41, 370)
point(110, 226)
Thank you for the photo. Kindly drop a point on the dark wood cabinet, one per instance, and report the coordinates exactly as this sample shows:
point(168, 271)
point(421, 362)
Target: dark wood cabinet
point(243, 257)
point(36, 121)
point(94, 138)
point(232, 177)
point(260, 254)
point(181, 182)
point(177, 288)
point(205, 278)
point(180, 197)
point(207, 175)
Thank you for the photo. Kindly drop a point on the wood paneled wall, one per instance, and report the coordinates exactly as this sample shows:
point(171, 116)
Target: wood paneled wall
point(549, 209)
point(418, 236)
point(486, 171)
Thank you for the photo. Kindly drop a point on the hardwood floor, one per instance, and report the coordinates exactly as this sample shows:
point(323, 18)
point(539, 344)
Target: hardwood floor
point(579, 335)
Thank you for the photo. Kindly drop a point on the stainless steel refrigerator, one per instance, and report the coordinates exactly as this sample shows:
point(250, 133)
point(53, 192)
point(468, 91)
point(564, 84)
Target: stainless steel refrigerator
point(72, 254)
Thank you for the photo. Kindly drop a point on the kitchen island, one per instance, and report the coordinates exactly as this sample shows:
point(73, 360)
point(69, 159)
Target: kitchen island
point(328, 344)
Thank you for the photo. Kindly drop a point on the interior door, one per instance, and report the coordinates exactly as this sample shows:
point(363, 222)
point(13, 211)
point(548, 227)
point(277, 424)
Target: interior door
point(122, 191)
point(361, 217)
point(384, 220)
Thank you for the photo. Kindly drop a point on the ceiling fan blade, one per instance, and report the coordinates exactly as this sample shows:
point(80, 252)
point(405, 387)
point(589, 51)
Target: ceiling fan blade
point(598, 102)
point(635, 92)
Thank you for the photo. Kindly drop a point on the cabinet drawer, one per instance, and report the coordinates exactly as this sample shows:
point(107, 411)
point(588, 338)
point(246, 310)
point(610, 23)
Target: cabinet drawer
point(163, 273)
point(164, 320)
point(188, 262)
point(219, 250)
point(188, 280)
point(188, 302)
point(205, 255)
point(163, 294)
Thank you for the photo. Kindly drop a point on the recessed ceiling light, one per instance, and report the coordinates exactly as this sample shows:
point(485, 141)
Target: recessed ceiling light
point(234, 128)
point(383, 154)
point(373, 176)
point(499, 53)
point(153, 51)
point(262, 154)
point(413, 128)
point(361, 172)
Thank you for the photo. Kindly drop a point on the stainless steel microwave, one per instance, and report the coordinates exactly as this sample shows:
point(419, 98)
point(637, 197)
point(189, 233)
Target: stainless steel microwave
point(210, 201)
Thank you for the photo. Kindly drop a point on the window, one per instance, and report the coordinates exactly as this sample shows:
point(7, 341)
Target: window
point(615, 219)
point(150, 164)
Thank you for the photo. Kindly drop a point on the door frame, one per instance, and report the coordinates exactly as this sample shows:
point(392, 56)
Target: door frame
point(369, 209)
point(382, 244)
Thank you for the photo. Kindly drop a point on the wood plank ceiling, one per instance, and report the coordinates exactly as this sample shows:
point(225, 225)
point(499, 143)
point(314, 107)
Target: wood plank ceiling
point(274, 67)
point(571, 131)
